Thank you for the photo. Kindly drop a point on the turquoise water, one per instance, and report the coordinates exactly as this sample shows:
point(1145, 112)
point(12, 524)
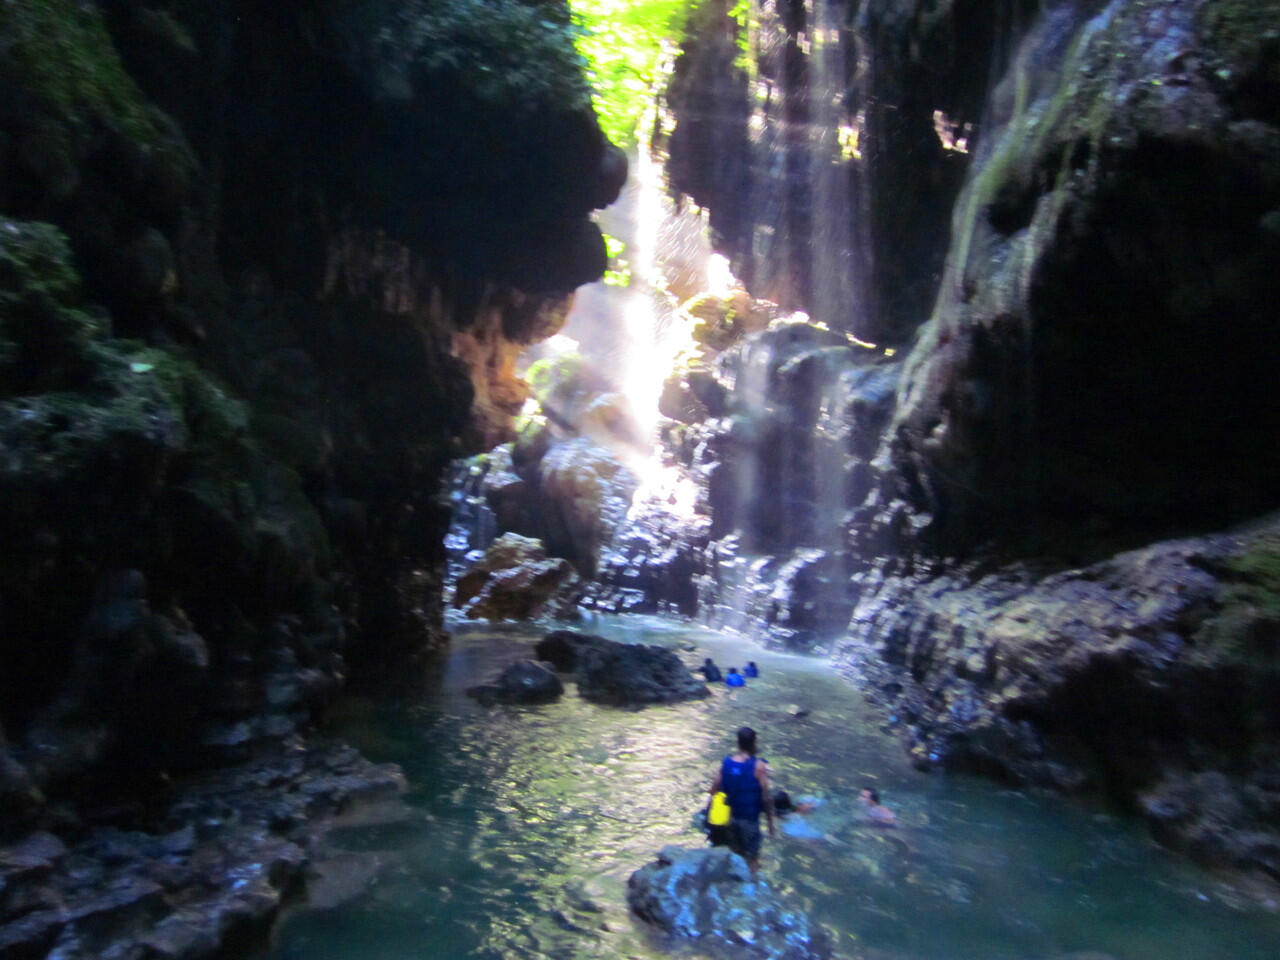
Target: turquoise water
point(522, 824)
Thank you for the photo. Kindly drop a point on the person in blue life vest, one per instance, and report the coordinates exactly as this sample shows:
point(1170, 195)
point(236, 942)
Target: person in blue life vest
point(751, 670)
point(744, 779)
point(734, 679)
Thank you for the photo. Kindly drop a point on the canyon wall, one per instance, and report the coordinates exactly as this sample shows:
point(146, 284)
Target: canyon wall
point(259, 265)
point(1054, 545)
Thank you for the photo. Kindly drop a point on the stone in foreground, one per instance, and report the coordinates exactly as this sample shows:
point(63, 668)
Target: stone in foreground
point(709, 896)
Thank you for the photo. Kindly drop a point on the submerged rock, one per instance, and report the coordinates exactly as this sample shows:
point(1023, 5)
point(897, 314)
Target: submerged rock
point(709, 896)
point(525, 681)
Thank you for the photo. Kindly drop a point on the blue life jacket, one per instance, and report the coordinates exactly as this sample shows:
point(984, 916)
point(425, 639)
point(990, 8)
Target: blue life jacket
point(738, 781)
point(751, 670)
point(735, 680)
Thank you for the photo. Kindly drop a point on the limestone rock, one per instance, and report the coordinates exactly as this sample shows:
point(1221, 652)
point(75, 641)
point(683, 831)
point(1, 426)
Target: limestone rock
point(708, 896)
point(515, 580)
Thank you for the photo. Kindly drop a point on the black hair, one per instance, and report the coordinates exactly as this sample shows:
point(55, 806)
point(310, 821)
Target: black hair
point(747, 740)
point(735, 670)
point(875, 794)
point(781, 801)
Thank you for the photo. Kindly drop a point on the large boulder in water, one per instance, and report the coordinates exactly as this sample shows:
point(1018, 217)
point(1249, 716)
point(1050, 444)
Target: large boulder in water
point(710, 897)
point(523, 682)
point(620, 674)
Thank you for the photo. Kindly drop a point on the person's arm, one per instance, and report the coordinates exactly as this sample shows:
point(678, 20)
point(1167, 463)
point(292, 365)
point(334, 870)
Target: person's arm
point(762, 776)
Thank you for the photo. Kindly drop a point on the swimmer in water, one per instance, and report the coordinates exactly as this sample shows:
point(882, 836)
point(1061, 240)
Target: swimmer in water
point(877, 813)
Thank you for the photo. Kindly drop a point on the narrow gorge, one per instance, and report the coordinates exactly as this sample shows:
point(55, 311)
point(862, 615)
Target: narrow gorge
point(923, 350)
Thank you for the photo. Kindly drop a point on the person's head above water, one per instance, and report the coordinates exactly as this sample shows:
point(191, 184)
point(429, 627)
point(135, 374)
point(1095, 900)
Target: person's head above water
point(870, 795)
point(708, 660)
point(747, 740)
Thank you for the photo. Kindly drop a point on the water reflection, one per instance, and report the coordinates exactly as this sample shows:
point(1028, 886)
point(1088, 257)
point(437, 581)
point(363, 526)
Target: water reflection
point(524, 823)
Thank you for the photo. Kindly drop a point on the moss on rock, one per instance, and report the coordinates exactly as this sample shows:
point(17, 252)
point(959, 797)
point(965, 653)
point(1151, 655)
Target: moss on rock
point(1243, 40)
point(42, 333)
point(61, 53)
point(1246, 627)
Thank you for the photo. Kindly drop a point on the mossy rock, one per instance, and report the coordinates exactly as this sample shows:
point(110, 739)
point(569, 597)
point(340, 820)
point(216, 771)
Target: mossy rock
point(60, 53)
point(1246, 627)
point(1242, 38)
point(43, 333)
point(111, 444)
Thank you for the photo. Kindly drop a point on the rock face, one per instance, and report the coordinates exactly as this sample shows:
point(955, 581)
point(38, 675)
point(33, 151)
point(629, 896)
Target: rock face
point(1138, 401)
point(1028, 490)
point(1151, 676)
point(709, 897)
point(620, 674)
point(516, 580)
point(565, 491)
point(237, 351)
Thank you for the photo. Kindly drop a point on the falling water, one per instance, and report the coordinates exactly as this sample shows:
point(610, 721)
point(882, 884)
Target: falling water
point(634, 332)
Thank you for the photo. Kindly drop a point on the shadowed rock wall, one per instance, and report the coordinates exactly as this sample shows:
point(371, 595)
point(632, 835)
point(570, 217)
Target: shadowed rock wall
point(301, 240)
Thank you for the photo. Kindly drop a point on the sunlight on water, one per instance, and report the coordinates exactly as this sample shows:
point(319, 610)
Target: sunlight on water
point(522, 825)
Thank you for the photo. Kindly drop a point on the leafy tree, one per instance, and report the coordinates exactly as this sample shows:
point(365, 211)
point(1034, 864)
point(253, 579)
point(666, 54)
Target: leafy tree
point(628, 45)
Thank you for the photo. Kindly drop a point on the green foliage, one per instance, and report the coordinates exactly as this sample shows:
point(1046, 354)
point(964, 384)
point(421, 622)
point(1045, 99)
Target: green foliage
point(501, 51)
point(626, 44)
point(618, 273)
point(72, 390)
point(60, 51)
point(1246, 627)
point(552, 377)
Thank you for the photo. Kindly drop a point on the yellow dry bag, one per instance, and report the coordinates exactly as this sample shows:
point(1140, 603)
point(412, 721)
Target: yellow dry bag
point(718, 813)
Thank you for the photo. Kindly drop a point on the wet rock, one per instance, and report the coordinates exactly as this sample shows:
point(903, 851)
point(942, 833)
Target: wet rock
point(620, 674)
point(522, 682)
point(561, 648)
point(1148, 676)
point(635, 674)
point(185, 893)
point(586, 491)
point(983, 444)
point(709, 897)
point(515, 580)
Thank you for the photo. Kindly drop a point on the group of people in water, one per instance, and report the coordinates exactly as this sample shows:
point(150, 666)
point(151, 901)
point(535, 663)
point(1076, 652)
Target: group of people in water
point(741, 792)
point(732, 678)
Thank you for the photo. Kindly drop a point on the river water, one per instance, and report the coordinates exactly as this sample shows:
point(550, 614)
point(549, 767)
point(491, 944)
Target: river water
point(521, 825)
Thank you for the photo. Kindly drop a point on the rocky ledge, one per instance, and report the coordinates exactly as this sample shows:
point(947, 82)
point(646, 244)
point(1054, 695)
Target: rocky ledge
point(186, 877)
point(1151, 678)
